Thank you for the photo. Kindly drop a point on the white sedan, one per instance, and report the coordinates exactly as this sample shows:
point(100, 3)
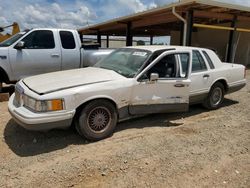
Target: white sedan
point(130, 81)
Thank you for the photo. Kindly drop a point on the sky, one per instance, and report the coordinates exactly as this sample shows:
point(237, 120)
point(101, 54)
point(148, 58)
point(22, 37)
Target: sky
point(75, 13)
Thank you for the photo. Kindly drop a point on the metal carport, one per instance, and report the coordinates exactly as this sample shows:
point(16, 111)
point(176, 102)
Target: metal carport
point(185, 17)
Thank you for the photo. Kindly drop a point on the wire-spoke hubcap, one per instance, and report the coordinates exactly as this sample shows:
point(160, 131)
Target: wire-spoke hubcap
point(99, 119)
point(216, 96)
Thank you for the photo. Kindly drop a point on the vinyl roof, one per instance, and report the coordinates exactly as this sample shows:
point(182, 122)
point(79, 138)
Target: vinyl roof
point(160, 21)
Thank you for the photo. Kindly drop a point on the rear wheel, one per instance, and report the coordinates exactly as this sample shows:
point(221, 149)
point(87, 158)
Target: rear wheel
point(97, 120)
point(215, 96)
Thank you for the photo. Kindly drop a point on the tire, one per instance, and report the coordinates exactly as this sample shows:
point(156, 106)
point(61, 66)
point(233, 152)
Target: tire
point(3, 76)
point(215, 97)
point(97, 120)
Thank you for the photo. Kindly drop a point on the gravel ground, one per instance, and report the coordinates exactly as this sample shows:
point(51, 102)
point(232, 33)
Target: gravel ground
point(195, 149)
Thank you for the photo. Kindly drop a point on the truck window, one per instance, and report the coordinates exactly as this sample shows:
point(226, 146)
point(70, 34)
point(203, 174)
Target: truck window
point(198, 63)
point(42, 39)
point(211, 65)
point(67, 40)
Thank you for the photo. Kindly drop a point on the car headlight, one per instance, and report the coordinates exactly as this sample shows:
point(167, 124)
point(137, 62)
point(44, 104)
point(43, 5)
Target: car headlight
point(44, 105)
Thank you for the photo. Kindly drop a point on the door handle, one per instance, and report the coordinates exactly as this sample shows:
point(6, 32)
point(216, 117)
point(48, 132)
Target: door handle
point(55, 55)
point(205, 75)
point(3, 57)
point(179, 85)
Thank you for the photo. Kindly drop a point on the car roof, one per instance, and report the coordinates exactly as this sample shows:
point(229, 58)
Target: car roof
point(154, 48)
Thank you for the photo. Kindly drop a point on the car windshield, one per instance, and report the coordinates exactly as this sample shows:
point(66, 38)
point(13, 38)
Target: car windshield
point(11, 40)
point(125, 61)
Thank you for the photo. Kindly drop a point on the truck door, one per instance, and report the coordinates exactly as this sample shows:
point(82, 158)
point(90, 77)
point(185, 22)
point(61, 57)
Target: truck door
point(167, 93)
point(71, 57)
point(40, 54)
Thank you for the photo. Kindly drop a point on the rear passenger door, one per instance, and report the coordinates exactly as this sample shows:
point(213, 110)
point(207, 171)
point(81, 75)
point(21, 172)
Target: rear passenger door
point(200, 77)
point(70, 50)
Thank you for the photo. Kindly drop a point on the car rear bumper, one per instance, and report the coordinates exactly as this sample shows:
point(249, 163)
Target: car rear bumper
point(40, 121)
point(236, 87)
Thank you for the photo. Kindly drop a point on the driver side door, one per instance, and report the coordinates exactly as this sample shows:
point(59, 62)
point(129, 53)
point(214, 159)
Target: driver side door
point(168, 91)
point(41, 54)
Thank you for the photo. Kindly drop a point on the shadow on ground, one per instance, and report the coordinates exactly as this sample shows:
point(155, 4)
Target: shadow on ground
point(29, 143)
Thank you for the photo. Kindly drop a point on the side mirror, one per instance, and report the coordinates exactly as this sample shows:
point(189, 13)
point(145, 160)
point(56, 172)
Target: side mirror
point(19, 45)
point(154, 77)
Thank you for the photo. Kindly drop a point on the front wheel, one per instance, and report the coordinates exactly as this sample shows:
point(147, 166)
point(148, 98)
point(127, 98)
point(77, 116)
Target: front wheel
point(215, 97)
point(97, 120)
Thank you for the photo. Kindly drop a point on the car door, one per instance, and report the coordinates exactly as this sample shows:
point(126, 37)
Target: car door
point(168, 93)
point(40, 54)
point(201, 78)
point(70, 50)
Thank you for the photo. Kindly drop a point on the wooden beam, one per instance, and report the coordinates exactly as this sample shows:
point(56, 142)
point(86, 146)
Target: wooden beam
point(99, 40)
point(115, 26)
point(208, 14)
point(151, 39)
point(190, 16)
point(231, 40)
point(129, 36)
point(154, 21)
point(222, 16)
point(221, 27)
point(213, 27)
point(107, 41)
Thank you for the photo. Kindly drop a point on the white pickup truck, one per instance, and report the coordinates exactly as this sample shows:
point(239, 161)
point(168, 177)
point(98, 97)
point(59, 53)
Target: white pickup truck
point(130, 81)
point(44, 50)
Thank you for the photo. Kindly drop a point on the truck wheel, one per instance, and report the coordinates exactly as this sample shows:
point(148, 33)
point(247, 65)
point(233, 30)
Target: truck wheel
point(215, 97)
point(97, 120)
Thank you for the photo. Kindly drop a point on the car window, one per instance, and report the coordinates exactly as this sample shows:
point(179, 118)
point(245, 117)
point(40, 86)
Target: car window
point(166, 67)
point(39, 40)
point(67, 39)
point(211, 65)
point(125, 61)
point(184, 61)
point(198, 63)
point(154, 56)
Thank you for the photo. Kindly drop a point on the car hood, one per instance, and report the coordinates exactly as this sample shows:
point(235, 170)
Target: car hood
point(50, 82)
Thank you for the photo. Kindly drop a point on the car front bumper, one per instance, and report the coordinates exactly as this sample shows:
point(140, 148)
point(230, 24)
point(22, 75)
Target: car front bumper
point(40, 121)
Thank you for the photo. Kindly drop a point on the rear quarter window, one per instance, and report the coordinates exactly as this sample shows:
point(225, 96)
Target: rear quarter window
point(67, 39)
point(211, 65)
point(198, 63)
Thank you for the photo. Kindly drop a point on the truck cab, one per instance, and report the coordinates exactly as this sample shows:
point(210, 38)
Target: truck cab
point(41, 50)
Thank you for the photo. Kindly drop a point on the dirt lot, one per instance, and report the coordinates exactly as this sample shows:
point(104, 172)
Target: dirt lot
point(195, 149)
